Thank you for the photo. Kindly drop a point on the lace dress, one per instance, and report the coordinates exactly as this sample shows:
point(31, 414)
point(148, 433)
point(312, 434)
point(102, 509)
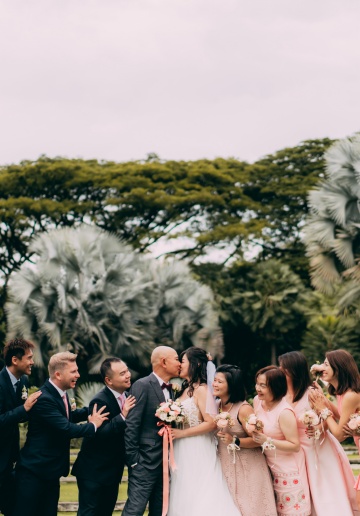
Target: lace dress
point(249, 479)
point(197, 486)
point(329, 473)
point(288, 469)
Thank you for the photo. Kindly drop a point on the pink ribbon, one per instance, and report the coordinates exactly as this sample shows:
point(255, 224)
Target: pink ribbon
point(168, 456)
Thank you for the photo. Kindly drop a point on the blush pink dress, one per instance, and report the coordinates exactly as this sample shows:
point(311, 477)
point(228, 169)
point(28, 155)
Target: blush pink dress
point(287, 468)
point(339, 399)
point(248, 478)
point(330, 476)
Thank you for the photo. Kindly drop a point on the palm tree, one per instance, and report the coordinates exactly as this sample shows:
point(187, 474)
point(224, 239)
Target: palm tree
point(272, 302)
point(88, 292)
point(332, 231)
point(328, 328)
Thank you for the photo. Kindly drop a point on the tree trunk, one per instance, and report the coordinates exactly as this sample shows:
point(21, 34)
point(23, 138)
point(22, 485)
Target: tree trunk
point(273, 352)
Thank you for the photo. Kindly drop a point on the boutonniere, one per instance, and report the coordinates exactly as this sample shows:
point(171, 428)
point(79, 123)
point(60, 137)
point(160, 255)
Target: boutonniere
point(72, 404)
point(24, 393)
point(176, 389)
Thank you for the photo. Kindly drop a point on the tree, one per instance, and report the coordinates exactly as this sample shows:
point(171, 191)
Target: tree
point(332, 233)
point(224, 203)
point(271, 305)
point(89, 292)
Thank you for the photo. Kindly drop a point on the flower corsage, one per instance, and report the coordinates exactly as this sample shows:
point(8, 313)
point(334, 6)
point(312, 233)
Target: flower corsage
point(24, 393)
point(354, 423)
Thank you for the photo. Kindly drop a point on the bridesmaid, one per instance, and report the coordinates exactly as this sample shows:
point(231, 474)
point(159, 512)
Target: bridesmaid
point(280, 442)
point(330, 476)
point(248, 477)
point(342, 374)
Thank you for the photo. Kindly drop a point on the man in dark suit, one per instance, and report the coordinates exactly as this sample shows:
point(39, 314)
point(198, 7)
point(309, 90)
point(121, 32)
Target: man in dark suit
point(14, 407)
point(100, 464)
point(143, 445)
point(46, 454)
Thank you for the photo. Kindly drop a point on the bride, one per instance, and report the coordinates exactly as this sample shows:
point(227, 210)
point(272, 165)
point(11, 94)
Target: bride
point(197, 485)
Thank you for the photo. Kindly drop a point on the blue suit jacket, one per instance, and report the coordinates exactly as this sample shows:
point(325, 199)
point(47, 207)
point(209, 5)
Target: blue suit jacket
point(47, 449)
point(12, 413)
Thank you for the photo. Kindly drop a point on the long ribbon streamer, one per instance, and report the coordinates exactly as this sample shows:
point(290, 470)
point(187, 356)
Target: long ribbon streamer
point(168, 456)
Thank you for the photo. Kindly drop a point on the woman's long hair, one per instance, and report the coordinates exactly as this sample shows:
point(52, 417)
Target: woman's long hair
point(295, 365)
point(235, 382)
point(198, 360)
point(346, 371)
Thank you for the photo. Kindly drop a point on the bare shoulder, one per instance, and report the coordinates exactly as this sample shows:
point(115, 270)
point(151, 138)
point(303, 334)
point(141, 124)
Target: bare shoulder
point(245, 410)
point(351, 399)
point(200, 391)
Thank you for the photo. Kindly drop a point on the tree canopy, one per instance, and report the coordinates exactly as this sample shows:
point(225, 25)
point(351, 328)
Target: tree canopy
point(222, 203)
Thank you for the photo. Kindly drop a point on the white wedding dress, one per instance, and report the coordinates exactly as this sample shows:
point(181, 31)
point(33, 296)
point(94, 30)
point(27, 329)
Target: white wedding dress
point(197, 486)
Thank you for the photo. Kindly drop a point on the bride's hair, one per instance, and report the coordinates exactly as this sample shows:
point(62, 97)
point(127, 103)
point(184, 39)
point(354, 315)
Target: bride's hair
point(198, 360)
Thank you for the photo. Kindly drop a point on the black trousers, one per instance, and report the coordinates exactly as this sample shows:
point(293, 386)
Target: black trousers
point(145, 485)
point(35, 496)
point(96, 499)
point(7, 493)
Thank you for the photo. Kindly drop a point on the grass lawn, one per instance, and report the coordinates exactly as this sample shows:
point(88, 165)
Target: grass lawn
point(69, 492)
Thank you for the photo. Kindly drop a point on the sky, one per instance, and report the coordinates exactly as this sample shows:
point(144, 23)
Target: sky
point(185, 79)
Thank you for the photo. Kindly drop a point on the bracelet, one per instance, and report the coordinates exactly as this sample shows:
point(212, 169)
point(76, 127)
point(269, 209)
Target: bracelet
point(236, 441)
point(325, 413)
point(268, 444)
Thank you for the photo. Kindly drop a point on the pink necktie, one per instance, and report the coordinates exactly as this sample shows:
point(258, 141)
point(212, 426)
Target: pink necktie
point(121, 401)
point(66, 405)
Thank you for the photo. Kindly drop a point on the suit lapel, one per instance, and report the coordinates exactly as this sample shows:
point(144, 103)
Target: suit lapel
point(156, 386)
point(9, 385)
point(57, 397)
point(113, 404)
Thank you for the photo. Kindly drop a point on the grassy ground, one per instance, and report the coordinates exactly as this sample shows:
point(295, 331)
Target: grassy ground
point(69, 492)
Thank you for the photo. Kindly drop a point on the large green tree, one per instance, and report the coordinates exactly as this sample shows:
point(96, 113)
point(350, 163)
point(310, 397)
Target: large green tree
point(223, 203)
point(91, 293)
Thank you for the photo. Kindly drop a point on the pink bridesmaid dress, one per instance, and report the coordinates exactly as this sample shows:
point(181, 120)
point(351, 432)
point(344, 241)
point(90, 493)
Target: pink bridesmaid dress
point(330, 476)
point(287, 468)
point(339, 400)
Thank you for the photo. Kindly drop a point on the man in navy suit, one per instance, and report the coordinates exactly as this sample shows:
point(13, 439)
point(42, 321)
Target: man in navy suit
point(46, 454)
point(100, 464)
point(14, 408)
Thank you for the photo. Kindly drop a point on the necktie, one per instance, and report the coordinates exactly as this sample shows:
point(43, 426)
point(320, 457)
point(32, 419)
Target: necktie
point(166, 386)
point(121, 400)
point(66, 405)
point(16, 384)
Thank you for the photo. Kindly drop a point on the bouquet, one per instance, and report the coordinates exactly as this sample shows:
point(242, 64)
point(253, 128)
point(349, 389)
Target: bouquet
point(224, 420)
point(316, 370)
point(309, 418)
point(254, 423)
point(354, 423)
point(170, 411)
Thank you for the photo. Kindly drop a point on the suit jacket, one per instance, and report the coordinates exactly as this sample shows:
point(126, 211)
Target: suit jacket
point(12, 413)
point(143, 444)
point(46, 452)
point(102, 458)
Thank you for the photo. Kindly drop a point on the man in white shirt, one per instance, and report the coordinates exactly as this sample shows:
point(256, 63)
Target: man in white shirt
point(143, 445)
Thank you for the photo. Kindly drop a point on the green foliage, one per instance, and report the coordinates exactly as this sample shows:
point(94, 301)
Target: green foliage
point(271, 305)
point(221, 203)
point(332, 232)
point(328, 332)
point(91, 293)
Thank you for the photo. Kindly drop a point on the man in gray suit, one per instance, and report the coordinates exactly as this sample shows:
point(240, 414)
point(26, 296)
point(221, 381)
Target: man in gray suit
point(143, 445)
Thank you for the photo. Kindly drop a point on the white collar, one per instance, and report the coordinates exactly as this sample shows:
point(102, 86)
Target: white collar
point(57, 388)
point(12, 377)
point(160, 380)
point(115, 393)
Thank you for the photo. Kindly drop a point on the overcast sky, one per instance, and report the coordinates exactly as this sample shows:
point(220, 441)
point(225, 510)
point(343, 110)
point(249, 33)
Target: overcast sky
point(187, 79)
